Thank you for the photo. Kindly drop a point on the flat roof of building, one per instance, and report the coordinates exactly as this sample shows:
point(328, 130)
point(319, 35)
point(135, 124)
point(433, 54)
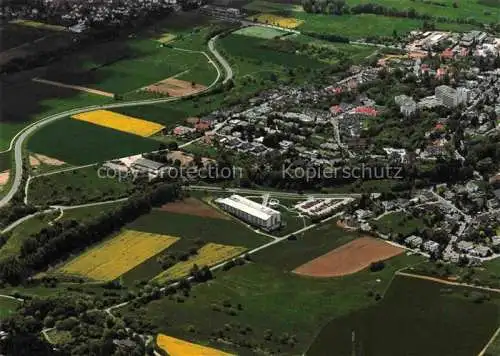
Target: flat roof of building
point(248, 206)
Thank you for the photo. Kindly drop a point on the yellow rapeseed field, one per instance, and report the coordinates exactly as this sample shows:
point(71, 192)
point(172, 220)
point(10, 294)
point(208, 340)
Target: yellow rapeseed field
point(118, 255)
point(275, 20)
point(208, 255)
point(178, 347)
point(120, 122)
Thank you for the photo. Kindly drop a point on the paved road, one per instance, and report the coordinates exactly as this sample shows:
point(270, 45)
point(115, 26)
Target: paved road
point(19, 139)
point(222, 61)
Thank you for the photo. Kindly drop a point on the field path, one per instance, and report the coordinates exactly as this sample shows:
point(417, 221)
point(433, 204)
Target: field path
point(443, 281)
point(19, 139)
point(75, 87)
point(485, 348)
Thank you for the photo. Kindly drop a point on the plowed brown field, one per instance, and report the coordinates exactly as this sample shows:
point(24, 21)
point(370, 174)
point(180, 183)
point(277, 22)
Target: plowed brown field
point(349, 258)
point(195, 207)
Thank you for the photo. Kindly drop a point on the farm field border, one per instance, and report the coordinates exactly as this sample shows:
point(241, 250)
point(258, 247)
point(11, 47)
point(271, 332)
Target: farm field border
point(19, 139)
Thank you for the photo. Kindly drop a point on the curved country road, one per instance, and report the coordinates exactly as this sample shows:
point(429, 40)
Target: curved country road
point(20, 138)
point(225, 64)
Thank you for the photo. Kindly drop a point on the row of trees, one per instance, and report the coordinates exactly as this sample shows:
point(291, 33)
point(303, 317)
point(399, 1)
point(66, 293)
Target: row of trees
point(58, 241)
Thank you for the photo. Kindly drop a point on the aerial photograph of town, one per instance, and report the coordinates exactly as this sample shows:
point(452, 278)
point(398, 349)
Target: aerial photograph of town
point(250, 177)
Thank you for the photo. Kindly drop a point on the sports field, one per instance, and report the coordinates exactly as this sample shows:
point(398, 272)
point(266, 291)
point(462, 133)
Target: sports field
point(260, 32)
point(120, 122)
point(117, 256)
point(209, 255)
point(178, 347)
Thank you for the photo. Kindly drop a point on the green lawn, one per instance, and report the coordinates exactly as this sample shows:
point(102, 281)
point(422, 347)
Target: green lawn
point(398, 222)
point(7, 307)
point(354, 52)
point(20, 233)
point(82, 143)
point(417, 318)
point(59, 337)
point(85, 213)
point(77, 187)
point(255, 49)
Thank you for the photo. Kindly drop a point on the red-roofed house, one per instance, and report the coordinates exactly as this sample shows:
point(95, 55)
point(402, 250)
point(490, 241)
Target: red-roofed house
point(202, 125)
point(447, 54)
point(366, 110)
point(440, 73)
point(336, 110)
point(439, 127)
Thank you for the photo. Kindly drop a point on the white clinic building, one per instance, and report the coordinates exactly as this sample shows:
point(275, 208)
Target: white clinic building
point(253, 213)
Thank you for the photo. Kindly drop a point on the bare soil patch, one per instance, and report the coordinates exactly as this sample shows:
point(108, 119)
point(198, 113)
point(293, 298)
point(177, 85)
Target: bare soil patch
point(193, 206)
point(4, 177)
point(175, 87)
point(38, 159)
point(49, 160)
point(349, 258)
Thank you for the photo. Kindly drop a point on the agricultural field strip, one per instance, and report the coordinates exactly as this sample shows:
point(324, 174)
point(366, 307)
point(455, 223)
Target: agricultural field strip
point(178, 347)
point(120, 122)
point(118, 255)
point(17, 141)
point(208, 255)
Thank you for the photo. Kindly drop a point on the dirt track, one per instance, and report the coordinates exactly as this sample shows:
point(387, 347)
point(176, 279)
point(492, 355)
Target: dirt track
point(349, 258)
point(444, 281)
point(75, 87)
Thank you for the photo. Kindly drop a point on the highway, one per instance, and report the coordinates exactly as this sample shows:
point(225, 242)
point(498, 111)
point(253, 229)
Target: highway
point(20, 138)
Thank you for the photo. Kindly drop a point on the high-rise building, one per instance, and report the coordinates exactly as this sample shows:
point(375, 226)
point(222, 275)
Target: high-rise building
point(447, 95)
